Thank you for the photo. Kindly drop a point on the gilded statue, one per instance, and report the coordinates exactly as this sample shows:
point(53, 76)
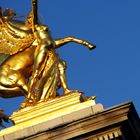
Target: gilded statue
point(32, 67)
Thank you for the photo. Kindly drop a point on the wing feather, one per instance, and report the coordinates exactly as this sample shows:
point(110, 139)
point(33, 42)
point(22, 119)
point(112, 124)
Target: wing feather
point(12, 41)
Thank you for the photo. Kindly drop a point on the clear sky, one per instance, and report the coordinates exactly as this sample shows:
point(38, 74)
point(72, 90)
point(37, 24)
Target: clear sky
point(111, 71)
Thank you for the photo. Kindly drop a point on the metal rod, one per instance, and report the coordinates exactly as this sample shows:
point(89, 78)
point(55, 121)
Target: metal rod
point(35, 11)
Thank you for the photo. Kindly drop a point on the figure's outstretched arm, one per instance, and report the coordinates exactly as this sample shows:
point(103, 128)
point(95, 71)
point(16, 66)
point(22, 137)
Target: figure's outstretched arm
point(62, 41)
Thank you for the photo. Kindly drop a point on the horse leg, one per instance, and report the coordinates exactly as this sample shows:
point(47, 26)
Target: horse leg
point(63, 79)
point(12, 82)
point(13, 85)
point(11, 92)
point(63, 41)
point(62, 76)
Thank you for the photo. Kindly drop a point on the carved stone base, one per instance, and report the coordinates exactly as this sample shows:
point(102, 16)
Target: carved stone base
point(47, 110)
point(61, 110)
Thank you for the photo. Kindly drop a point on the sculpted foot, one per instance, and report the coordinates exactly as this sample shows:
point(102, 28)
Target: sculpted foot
point(68, 91)
point(27, 102)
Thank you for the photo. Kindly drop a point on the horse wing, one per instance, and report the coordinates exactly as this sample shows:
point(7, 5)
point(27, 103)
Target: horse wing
point(12, 39)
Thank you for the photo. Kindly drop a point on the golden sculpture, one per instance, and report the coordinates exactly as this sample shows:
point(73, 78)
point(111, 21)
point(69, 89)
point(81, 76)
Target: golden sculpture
point(32, 68)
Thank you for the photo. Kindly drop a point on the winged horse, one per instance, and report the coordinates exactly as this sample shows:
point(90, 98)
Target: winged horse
point(32, 67)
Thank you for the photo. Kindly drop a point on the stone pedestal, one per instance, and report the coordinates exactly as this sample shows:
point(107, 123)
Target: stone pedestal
point(45, 111)
point(47, 115)
point(71, 117)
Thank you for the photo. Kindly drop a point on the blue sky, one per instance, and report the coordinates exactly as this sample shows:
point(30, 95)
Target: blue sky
point(111, 71)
